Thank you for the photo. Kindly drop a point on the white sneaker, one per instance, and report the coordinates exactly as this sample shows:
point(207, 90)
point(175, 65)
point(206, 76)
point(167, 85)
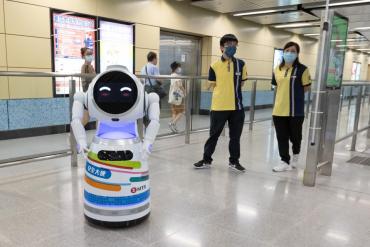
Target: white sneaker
point(171, 125)
point(295, 161)
point(282, 167)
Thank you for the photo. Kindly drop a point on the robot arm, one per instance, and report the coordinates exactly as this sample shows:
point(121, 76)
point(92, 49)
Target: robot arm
point(153, 127)
point(76, 124)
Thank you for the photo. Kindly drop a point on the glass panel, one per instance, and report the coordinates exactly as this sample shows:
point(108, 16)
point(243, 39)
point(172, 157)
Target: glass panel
point(202, 99)
point(264, 100)
point(171, 113)
point(33, 125)
point(347, 110)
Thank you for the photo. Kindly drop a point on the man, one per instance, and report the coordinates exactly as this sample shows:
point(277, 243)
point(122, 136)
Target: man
point(151, 69)
point(226, 76)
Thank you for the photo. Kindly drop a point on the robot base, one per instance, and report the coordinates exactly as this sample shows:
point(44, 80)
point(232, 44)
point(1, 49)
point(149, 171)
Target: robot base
point(121, 224)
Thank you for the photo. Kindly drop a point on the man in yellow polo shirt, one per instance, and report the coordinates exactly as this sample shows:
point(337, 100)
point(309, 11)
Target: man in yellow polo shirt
point(226, 76)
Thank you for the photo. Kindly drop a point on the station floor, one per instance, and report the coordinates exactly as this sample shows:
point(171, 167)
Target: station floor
point(41, 203)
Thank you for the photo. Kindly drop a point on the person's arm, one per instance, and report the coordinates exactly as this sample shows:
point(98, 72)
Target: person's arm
point(244, 74)
point(273, 81)
point(306, 80)
point(211, 79)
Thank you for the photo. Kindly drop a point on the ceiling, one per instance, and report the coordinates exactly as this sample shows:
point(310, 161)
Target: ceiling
point(293, 11)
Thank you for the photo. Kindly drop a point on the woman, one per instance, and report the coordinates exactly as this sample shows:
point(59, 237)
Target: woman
point(176, 97)
point(87, 68)
point(292, 80)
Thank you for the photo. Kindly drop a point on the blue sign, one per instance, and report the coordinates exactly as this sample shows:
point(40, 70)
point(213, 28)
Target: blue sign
point(98, 171)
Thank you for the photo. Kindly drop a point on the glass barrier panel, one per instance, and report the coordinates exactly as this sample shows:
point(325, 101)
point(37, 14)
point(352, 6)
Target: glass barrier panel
point(201, 104)
point(32, 120)
point(170, 122)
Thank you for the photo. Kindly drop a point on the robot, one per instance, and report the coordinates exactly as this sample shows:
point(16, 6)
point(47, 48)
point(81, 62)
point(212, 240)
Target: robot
point(116, 181)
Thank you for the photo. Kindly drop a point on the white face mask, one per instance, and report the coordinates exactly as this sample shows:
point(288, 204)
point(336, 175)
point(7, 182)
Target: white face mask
point(89, 58)
point(178, 70)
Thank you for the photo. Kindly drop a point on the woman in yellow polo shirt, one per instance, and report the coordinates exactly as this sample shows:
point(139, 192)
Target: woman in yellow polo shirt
point(292, 80)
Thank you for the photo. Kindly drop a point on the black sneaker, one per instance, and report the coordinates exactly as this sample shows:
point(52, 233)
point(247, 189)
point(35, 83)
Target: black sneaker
point(237, 167)
point(202, 164)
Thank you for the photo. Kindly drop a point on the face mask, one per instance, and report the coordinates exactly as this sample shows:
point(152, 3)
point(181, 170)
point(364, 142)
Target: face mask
point(89, 58)
point(290, 57)
point(230, 51)
point(178, 70)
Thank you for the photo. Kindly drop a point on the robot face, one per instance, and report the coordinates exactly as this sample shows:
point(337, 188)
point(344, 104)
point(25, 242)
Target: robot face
point(115, 92)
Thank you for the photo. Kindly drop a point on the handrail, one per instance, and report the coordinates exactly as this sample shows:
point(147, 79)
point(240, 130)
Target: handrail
point(82, 75)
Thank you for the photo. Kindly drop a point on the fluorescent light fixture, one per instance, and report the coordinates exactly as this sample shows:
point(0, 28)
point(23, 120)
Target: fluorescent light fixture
point(361, 28)
point(349, 3)
point(363, 49)
point(311, 34)
point(356, 39)
point(298, 24)
point(260, 12)
point(351, 45)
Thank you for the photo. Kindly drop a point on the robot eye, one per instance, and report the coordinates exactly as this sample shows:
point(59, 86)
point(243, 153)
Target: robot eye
point(125, 89)
point(104, 88)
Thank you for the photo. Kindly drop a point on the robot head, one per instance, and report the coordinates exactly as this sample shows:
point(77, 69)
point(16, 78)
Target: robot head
point(115, 92)
point(115, 95)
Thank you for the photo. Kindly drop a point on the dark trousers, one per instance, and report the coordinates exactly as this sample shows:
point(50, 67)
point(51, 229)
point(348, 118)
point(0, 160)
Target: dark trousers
point(288, 128)
point(235, 120)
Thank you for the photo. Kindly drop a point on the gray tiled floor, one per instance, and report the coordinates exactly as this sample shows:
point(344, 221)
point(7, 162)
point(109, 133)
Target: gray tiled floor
point(41, 203)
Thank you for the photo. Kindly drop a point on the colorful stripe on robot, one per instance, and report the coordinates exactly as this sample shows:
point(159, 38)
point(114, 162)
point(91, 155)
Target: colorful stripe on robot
point(102, 186)
point(116, 201)
point(139, 179)
point(118, 164)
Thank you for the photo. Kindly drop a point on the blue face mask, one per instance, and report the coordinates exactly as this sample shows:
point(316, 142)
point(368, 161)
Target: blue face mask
point(230, 51)
point(290, 57)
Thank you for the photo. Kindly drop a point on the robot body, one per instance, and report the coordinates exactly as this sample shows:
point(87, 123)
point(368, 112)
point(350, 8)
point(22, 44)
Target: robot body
point(116, 181)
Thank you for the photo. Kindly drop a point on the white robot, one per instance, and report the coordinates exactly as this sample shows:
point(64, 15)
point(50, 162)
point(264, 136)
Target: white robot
point(116, 181)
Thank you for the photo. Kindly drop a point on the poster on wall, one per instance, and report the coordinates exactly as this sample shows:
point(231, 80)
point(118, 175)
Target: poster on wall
point(338, 41)
point(70, 34)
point(356, 71)
point(116, 44)
point(278, 57)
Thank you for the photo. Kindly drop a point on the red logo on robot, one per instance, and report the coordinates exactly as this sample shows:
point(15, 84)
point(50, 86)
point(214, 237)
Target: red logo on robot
point(138, 189)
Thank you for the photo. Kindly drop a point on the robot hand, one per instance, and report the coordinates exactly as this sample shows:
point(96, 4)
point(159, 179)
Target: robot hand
point(146, 150)
point(83, 149)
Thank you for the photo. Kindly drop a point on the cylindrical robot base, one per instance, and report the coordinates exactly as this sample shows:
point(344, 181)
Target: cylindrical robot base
point(116, 224)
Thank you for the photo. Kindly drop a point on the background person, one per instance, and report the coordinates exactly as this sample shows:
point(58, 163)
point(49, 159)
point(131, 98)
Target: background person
point(176, 97)
point(151, 69)
point(292, 80)
point(88, 55)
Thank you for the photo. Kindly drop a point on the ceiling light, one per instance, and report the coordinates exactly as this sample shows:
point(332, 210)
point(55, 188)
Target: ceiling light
point(363, 49)
point(298, 24)
point(351, 45)
point(257, 12)
point(361, 28)
point(348, 3)
point(311, 34)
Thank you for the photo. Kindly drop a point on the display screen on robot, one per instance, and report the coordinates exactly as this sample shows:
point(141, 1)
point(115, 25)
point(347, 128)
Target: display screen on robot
point(115, 92)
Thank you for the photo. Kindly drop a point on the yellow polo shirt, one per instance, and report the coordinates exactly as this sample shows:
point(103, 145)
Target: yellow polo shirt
point(227, 75)
point(290, 82)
